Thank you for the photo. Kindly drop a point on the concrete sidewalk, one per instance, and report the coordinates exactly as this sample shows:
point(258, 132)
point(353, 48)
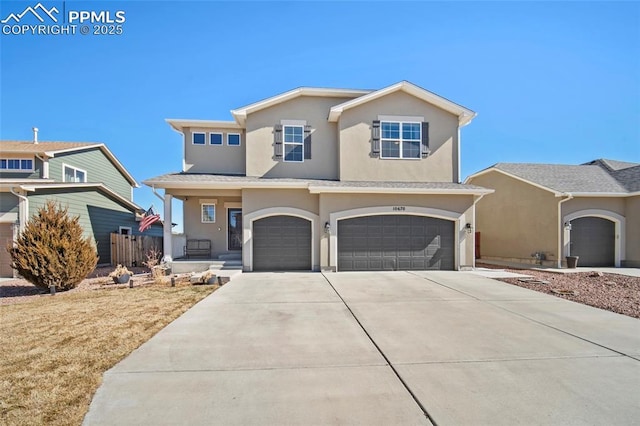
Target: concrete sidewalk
point(379, 348)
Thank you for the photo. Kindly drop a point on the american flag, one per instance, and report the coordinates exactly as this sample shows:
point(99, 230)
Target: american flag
point(150, 217)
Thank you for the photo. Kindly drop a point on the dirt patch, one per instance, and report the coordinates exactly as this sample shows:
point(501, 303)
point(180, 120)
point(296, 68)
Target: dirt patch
point(22, 291)
point(613, 292)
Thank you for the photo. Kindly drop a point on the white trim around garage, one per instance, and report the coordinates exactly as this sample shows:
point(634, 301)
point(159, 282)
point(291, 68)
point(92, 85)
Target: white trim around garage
point(620, 230)
point(247, 234)
point(458, 218)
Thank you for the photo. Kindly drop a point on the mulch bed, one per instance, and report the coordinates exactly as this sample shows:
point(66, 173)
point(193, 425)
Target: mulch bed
point(612, 292)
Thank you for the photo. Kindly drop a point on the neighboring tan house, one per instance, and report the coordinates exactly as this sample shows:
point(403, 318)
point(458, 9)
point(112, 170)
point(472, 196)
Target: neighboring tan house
point(332, 179)
point(85, 177)
point(590, 210)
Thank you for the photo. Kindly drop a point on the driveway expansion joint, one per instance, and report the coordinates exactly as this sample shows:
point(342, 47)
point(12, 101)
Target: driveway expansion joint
point(395, 372)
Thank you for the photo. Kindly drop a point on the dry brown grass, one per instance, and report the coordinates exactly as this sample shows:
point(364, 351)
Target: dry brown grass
point(54, 350)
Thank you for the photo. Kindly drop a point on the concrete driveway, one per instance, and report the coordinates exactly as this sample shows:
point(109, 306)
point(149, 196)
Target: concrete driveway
point(445, 348)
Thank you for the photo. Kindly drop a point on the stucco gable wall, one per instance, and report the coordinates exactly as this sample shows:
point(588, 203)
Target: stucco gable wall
point(517, 220)
point(355, 142)
point(324, 145)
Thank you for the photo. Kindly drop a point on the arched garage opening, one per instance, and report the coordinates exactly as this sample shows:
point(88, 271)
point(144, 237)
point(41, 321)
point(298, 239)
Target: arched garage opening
point(596, 236)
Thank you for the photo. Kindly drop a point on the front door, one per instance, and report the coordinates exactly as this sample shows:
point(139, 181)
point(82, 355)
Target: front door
point(234, 221)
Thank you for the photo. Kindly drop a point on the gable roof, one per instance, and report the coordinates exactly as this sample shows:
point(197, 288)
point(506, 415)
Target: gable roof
point(240, 114)
point(465, 115)
point(593, 178)
point(51, 149)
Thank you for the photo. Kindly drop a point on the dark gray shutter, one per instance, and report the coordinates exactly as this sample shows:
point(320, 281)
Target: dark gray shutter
point(277, 141)
point(425, 140)
point(307, 142)
point(375, 138)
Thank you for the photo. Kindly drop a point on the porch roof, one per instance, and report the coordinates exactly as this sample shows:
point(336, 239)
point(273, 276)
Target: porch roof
point(315, 186)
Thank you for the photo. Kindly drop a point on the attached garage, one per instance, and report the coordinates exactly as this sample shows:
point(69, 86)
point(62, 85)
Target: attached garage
point(395, 242)
point(6, 237)
point(593, 240)
point(282, 243)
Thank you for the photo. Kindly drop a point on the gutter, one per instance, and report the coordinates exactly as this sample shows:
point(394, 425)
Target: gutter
point(561, 228)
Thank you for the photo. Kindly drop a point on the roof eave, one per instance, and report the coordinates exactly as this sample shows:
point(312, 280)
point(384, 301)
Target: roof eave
point(318, 189)
point(100, 186)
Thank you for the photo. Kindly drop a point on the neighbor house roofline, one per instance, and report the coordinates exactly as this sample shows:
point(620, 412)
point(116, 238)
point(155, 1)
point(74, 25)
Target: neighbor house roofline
point(240, 114)
point(464, 115)
point(494, 169)
point(99, 186)
point(41, 148)
point(178, 124)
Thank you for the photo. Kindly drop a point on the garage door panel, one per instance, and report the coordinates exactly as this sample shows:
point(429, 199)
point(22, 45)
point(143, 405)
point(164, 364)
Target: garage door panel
point(281, 243)
point(403, 242)
point(593, 240)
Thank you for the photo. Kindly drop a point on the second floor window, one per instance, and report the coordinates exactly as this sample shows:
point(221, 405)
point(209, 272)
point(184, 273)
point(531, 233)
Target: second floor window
point(199, 138)
point(16, 164)
point(233, 139)
point(293, 143)
point(215, 138)
point(400, 139)
point(72, 174)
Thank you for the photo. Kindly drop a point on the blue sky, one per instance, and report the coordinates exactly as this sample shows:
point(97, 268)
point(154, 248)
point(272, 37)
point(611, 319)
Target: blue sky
point(551, 82)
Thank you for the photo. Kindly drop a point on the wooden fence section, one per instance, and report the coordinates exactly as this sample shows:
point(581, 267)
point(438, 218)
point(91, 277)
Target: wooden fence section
point(131, 250)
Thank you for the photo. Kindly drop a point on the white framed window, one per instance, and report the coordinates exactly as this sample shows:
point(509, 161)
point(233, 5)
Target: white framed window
point(233, 139)
point(199, 138)
point(16, 164)
point(124, 230)
point(73, 174)
point(215, 138)
point(208, 213)
point(293, 141)
point(400, 139)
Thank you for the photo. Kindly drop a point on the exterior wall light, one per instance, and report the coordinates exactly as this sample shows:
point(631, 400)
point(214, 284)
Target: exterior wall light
point(327, 227)
point(469, 228)
point(567, 226)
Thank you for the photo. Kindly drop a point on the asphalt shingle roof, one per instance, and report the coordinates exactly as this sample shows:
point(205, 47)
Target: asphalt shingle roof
point(593, 177)
point(209, 178)
point(30, 147)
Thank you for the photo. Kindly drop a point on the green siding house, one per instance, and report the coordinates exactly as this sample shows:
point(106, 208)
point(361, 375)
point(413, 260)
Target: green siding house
point(85, 177)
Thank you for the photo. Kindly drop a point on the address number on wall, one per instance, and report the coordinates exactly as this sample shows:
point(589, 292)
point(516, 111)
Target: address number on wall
point(399, 208)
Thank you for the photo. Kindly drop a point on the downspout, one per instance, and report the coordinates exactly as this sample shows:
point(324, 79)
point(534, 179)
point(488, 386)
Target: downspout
point(45, 166)
point(23, 209)
point(561, 228)
point(476, 198)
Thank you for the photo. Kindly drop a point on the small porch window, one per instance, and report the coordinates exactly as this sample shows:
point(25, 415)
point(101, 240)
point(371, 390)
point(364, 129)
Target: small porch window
point(208, 213)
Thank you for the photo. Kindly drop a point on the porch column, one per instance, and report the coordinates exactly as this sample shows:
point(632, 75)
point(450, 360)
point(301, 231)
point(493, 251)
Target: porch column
point(166, 240)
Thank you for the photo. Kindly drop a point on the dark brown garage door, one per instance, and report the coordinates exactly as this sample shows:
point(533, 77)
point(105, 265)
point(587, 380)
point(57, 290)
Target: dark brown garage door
point(282, 243)
point(593, 240)
point(6, 237)
point(395, 242)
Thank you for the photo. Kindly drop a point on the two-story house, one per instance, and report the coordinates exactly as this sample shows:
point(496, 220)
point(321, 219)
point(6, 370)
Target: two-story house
point(85, 177)
point(331, 179)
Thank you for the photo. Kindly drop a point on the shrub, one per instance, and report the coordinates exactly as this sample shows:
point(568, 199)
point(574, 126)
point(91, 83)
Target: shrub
point(51, 250)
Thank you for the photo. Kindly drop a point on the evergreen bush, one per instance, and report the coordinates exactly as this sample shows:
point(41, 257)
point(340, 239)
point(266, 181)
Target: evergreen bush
point(51, 251)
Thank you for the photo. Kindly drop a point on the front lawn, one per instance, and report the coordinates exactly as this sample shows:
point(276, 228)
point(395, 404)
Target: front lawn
point(55, 349)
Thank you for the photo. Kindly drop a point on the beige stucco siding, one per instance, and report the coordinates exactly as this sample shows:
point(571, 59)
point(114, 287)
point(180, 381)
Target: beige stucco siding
point(611, 204)
point(517, 220)
point(324, 145)
point(356, 162)
point(221, 159)
point(216, 232)
point(632, 209)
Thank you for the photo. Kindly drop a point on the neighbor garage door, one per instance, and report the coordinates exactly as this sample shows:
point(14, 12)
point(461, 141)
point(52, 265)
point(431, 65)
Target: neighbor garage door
point(395, 242)
point(593, 240)
point(281, 243)
point(6, 236)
